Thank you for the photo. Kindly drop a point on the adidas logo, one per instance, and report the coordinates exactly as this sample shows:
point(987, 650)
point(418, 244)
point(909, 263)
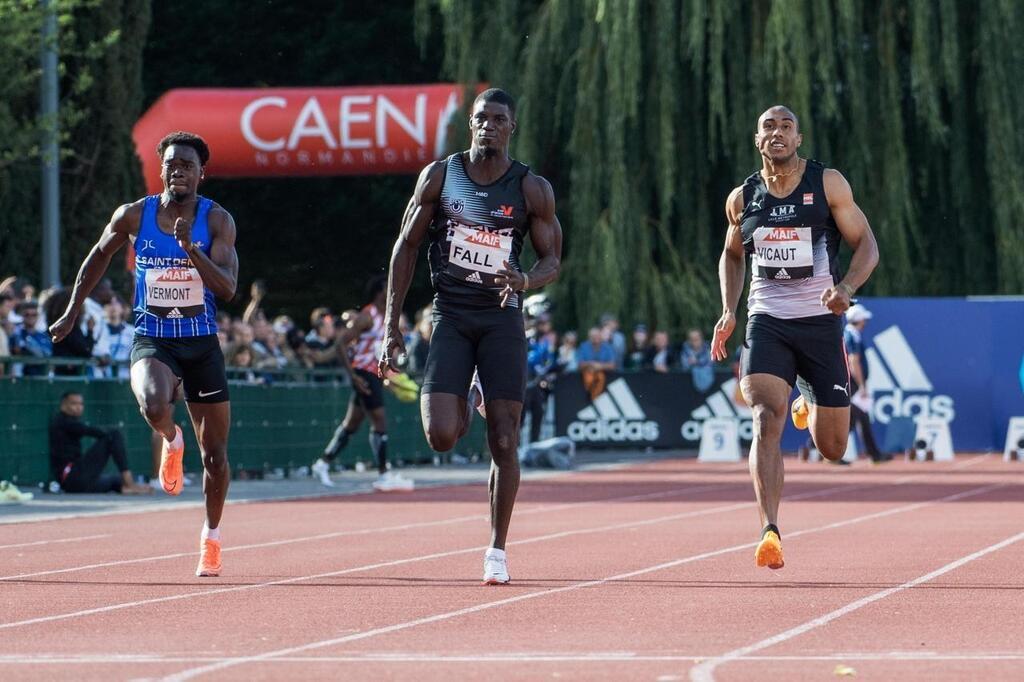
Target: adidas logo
point(721, 403)
point(474, 277)
point(615, 415)
point(782, 274)
point(175, 314)
point(894, 370)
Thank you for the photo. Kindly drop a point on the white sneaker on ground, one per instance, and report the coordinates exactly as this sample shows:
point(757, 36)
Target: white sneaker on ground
point(495, 567)
point(392, 481)
point(9, 494)
point(322, 470)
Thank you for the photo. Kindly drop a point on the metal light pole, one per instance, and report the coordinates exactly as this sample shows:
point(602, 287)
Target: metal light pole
point(49, 149)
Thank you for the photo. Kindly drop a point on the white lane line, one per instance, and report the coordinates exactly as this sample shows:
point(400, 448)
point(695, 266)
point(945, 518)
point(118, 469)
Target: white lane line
point(522, 657)
point(386, 564)
point(52, 542)
point(384, 529)
point(704, 672)
point(461, 519)
point(397, 627)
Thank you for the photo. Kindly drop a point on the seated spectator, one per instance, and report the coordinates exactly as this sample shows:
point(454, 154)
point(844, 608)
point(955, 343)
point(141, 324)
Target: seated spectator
point(78, 343)
point(696, 358)
point(567, 359)
point(28, 342)
point(6, 306)
point(659, 354)
point(320, 340)
point(79, 472)
point(114, 339)
point(93, 313)
point(638, 347)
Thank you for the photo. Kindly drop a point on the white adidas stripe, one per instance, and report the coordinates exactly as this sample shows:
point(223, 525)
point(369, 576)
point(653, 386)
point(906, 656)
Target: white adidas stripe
point(617, 402)
point(901, 360)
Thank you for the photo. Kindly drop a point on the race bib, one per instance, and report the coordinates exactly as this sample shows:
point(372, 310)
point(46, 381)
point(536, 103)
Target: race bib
point(476, 255)
point(174, 292)
point(782, 253)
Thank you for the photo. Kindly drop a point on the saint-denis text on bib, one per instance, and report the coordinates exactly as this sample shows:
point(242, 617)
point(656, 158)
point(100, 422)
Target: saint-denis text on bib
point(477, 251)
point(783, 252)
point(177, 291)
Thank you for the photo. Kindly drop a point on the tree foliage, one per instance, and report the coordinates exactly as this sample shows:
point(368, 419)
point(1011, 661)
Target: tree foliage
point(99, 49)
point(642, 114)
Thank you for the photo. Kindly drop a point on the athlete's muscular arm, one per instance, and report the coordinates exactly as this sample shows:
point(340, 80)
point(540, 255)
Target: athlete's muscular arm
point(219, 270)
point(854, 227)
point(731, 270)
point(123, 225)
point(545, 235)
point(418, 214)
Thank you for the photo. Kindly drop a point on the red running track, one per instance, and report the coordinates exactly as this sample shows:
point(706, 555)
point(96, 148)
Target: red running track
point(645, 572)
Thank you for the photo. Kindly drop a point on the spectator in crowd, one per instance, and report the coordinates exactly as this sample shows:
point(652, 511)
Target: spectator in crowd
point(240, 362)
point(254, 311)
point(114, 339)
point(696, 359)
point(419, 344)
point(320, 341)
point(596, 353)
point(638, 347)
point(541, 369)
point(860, 398)
point(567, 352)
point(78, 343)
point(79, 472)
point(93, 314)
point(6, 306)
point(610, 333)
point(27, 341)
point(660, 353)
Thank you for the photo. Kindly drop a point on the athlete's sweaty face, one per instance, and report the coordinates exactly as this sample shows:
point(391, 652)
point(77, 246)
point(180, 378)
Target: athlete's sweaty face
point(777, 136)
point(491, 124)
point(181, 171)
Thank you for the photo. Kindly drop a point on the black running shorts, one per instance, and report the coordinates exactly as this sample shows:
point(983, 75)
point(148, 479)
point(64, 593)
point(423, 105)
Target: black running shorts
point(806, 351)
point(492, 340)
point(197, 361)
point(375, 398)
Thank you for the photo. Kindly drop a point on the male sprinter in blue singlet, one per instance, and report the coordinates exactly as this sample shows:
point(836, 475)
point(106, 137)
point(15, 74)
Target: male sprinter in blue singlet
point(475, 208)
point(790, 216)
point(184, 256)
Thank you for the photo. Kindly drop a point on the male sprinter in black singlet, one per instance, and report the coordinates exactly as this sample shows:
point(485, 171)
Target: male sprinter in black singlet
point(475, 207)
point(789, 217)
point(184, 257)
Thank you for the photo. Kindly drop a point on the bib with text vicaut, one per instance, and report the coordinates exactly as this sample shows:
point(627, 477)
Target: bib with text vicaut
point(782, 253)
point(174, 293)
point(476, 255)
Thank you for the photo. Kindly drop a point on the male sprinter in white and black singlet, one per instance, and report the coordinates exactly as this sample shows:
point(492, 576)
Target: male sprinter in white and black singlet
point(789, 217)
point(476, 207)
point(184, 256)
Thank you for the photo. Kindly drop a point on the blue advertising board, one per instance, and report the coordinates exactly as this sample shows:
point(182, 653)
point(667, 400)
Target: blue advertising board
point(959, 359)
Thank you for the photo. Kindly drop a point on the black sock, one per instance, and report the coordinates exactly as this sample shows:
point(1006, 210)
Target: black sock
point(773, 528)
point(338, 442)
point(379, 444)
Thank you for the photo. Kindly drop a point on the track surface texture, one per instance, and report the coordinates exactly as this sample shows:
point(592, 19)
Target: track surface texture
point(641, 570)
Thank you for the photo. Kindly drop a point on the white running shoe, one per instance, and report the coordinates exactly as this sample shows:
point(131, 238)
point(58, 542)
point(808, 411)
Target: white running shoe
point(9, 494)
point(322, 470)
point(476, 395)
point(495, 567)
point(392, 481)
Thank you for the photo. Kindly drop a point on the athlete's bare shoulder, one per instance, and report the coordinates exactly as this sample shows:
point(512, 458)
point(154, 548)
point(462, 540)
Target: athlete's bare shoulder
point(837, 188)
point(428, 185)
point(540, 197)
point(734, 205)
point(128, 217)
point(218, 217)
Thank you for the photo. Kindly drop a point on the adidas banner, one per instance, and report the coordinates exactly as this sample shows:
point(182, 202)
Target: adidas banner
point(647, 409)
point(956, 359)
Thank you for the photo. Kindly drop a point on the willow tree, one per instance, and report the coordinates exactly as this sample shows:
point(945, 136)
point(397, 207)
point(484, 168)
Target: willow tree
point(642, 114)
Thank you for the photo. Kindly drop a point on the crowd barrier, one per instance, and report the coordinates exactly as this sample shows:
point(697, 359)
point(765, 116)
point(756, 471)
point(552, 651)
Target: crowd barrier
point(958, 360)
point(281, 424)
